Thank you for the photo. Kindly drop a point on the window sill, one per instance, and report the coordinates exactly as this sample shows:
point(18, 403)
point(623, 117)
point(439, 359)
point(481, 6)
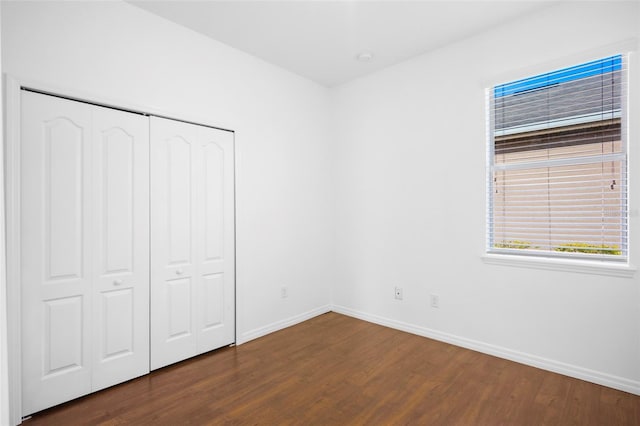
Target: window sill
point(565, 265)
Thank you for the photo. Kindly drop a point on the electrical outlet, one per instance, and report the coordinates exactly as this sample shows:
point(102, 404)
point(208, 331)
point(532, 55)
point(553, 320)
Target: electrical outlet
point(398, 293)
point(284, 292)
point(435, 300)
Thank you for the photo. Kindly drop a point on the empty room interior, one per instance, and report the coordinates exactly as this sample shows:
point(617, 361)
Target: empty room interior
point(320, 212)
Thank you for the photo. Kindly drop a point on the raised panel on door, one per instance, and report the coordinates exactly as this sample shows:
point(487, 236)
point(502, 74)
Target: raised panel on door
point(216, 245)
point(174, 152)
point(120, 246)
point(55, 267)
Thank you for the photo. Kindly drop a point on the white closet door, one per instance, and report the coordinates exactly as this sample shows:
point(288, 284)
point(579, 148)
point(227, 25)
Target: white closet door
point(55, 235)
point(173, 215)
point(84, 248)
point(215, 241)
point(120, 246)
point(192, 240)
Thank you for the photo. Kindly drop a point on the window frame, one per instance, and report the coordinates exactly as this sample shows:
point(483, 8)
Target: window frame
point(610, 265)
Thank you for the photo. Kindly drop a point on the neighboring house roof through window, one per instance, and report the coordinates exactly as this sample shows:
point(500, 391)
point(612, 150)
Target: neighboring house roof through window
point(569, 96)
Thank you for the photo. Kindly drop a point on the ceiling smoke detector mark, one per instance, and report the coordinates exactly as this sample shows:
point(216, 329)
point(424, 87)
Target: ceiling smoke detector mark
point(364, 56)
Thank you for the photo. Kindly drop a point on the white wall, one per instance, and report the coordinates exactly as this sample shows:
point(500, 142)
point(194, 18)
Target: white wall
point(4, 377)
point(410, 197)
point(115, 51)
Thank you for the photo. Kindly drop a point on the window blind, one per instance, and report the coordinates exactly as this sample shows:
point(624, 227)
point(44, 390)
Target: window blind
point(557, 163)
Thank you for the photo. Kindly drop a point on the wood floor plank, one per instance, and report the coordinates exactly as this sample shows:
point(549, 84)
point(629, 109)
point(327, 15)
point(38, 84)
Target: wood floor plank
point(337, 370)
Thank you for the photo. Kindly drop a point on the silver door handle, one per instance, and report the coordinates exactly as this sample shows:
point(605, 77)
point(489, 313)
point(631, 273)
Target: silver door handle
point(118, 282)
point(179, 272)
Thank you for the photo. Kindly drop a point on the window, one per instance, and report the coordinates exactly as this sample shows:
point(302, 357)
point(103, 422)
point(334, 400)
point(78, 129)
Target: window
point(557, 163)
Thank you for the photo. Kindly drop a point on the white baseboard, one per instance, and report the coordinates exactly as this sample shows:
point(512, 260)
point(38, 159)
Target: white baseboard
point(279, 325)
point(604, 379)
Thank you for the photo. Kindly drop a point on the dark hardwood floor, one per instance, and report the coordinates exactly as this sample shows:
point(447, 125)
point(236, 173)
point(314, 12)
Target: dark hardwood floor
point(336, 370)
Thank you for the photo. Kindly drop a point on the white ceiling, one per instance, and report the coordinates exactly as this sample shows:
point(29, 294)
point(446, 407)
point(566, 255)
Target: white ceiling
point(321, 39)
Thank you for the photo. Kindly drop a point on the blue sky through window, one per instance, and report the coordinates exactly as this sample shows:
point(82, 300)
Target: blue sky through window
point(588, 69)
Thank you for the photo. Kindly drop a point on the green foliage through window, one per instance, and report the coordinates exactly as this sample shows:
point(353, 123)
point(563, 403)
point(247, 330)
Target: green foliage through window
point(589, 248)
point(513, 244)
point(573, 247)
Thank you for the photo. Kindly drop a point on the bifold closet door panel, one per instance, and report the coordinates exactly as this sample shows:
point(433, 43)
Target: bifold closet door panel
point(192, 240)
point(215, 242)
point(84, 248)
point(55, 266)
point(120, 246)
point(173, 216)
